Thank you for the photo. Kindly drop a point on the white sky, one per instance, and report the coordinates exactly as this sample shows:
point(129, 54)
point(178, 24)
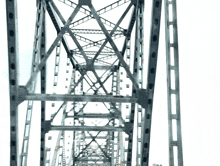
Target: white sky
point(199, 38)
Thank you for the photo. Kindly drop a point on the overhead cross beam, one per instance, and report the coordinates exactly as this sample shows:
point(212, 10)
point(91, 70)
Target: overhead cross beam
point(94, 31)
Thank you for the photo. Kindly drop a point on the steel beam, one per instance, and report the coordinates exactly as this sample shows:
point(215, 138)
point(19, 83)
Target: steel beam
point(97, 164)
point(95, 160)
point(35, 60)
point(99, 137)
point(152, 65)
point(57, 146)
point(79, 98)
point(99, 67)
point(94, 31)
point(173, 86)
point(136, 75)
point(12, 37)
point(92, 116)
point(128, 33)
point(103, 53)
point(43, 85)
point(87, 128)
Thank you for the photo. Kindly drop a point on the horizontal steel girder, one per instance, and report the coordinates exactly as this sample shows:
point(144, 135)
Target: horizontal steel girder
point(100, 137)
point(93, 116)
point(94, 31)
point(78, 98)
point(95, 160)
point(87, 128)
point(99, 67)
point(98, 164)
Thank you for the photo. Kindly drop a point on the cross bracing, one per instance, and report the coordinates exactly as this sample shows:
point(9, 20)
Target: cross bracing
point(96, 100)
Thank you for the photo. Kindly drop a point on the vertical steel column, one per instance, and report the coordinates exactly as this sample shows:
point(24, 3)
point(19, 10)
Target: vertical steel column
point(12, 36)
point(48, 151)
point(59, 163)
point(173, 89)
point(82, 139)
point(112, 145)
point(56, 68)
point(114, 92)
point(108, 144)
point(73, 81)
point(134, 92)
point(138, 69)
point(73, 147)
point(118, 105)
point(57, 147)
point(43, 85)
point(120, 153)
point(77, 150)
point(152, 65)
point(63, 148)
point(120, 134)
point(127, 86)
point(35, 61)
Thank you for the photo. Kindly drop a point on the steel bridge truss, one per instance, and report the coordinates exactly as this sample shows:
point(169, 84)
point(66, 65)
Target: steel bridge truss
point(105, 106)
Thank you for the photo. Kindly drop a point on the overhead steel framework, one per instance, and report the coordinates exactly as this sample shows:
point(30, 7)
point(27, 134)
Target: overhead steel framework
point(96, 109)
